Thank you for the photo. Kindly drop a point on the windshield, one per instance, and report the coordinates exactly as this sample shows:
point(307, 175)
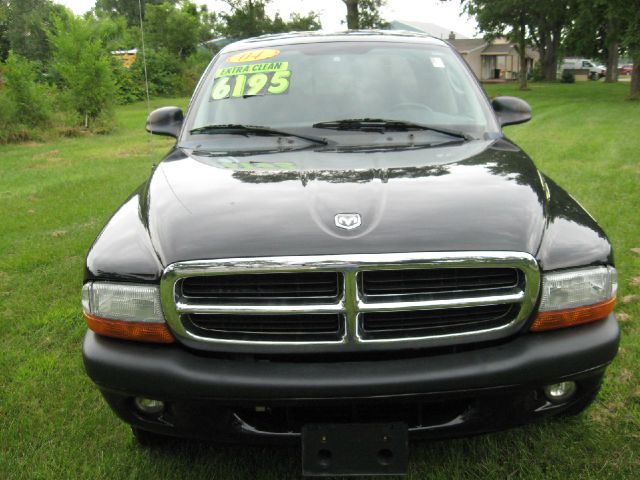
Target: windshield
point(304, 86)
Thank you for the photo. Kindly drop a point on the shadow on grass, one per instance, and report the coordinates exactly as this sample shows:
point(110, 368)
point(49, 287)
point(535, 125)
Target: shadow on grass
point(203, 459)
point(522, 452)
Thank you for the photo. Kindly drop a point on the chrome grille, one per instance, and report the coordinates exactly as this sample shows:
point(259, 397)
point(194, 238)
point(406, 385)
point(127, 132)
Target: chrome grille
point(303, 287)
point(349, 303)
point(434, 322)
point(305, 327)
point(419, 282)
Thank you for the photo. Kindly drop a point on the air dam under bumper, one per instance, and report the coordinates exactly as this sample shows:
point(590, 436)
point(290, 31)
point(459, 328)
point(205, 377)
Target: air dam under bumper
point(219, 398)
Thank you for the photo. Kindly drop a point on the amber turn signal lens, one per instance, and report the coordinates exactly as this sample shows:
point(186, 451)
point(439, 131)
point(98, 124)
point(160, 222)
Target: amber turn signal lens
point(139, 331)
point(572, 316)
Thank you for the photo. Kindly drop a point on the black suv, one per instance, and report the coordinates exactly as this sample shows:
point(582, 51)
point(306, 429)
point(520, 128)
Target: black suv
point(343, 251)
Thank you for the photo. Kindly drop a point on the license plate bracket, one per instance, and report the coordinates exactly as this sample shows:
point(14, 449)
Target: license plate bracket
point(355, 449)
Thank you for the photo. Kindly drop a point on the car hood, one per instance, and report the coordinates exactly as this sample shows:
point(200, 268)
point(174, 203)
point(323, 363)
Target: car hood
point(479, 195)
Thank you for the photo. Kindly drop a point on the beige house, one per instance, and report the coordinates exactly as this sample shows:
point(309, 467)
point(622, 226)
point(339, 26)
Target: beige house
point(493, 61)
point(496, 61)
point(127, 57)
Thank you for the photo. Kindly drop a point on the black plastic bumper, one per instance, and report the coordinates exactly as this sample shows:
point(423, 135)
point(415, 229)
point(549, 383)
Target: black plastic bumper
point(508, 374)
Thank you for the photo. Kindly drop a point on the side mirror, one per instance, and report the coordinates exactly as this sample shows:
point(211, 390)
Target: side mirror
point(165, 121)
point(511, 110)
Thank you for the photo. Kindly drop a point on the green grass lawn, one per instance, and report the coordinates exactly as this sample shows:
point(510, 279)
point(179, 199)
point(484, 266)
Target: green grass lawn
point(55, 197)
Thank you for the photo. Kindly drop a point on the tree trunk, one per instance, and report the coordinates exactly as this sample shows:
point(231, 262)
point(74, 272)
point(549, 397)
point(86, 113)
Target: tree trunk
point(545, 44)
point(353, 15)
point(522, 50)
point(634, 93)
point(551, 71)
point(548, 47)
point(254, 24)
point(612, 61)
point(613, 50)
point(550, 65)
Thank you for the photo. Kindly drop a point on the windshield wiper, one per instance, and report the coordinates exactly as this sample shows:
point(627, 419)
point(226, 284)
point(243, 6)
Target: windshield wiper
point(382, 125)
point(234, 129)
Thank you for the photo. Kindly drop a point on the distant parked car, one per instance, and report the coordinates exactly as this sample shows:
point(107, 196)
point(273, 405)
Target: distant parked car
point(576, 64)
point(625, 69)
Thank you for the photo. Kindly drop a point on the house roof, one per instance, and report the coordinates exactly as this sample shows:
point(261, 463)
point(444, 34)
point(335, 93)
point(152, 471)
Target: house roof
point(506, 49)
point(465, 45)
point(423, 27)
point(133, 51)
point(498, 49)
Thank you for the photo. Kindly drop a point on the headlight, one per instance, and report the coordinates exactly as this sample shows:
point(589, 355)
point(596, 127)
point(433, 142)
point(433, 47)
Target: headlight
point(124, 310)
point(574, 297)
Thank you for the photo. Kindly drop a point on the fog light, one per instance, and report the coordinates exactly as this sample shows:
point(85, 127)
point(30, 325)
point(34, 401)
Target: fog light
point(560, 392)
point(148, 405)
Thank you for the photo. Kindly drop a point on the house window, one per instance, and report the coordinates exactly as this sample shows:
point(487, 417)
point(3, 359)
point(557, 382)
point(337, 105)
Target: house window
point(488, 67)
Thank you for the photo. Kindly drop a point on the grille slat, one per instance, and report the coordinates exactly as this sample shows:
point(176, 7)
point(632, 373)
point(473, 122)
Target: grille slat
point(393, 319)
point(257, 292)
point(287, 327)
point(434, 281)
point(263, 287)
point(436, 275)
point(406, 323)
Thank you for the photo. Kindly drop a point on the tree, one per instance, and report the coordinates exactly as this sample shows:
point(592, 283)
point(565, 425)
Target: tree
point(29, 99)
point(353, 14)
point(369, 14)
point(509, 18)
point(364, 14)
point(27, 24)
point(248, 18)
point(83, 67)
point(4, 27)
point(302, 23)
point(630, 10)
point(605, 28)
point(548, 24)
point(625, 15)
point(116, 34)
point(177, 30)
point(609, 32)
point(209, 23)
point(595, 33)
point(130, 9)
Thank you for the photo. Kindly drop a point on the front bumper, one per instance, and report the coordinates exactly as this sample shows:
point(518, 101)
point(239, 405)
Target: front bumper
point(438, 395)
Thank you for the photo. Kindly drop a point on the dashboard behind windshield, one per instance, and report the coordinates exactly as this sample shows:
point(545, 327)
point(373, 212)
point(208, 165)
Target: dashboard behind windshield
point(296, 86)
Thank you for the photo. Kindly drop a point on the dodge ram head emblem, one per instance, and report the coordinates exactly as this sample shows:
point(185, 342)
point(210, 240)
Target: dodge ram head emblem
point(348, 221)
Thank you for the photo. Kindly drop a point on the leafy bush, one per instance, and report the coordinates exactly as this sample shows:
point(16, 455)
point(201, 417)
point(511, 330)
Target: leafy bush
point(164, 70)
point(25, 105)
point(84, 68)
point(175, 29)
point(193, 69)
point(567, 77)
point(10, 130)
point(536, 74)
point(27, 100)
point(168, 75)
point(129, 85)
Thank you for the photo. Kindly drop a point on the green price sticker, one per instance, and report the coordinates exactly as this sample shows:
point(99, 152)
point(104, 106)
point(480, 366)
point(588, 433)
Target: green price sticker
point(251, 80)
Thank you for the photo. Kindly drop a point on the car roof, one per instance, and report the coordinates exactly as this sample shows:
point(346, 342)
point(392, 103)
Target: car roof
point(291, 38)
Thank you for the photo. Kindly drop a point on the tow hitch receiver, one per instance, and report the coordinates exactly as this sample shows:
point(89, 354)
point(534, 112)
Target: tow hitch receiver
point(354, 449)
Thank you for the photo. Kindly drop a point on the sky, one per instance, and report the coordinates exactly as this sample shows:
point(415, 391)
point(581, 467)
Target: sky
point(332, 12)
